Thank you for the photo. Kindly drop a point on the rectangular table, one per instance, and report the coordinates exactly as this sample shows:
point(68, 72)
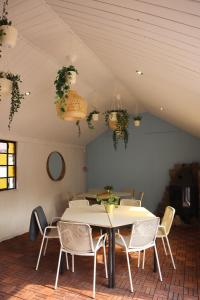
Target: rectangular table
point(97, 216)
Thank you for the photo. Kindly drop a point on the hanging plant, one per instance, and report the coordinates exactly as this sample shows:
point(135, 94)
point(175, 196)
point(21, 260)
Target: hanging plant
point(16, 96)
point(120, 127)
point(8, 33)
point(79, 127)
point(137, 120)
point(93, 116)
point(63, 81)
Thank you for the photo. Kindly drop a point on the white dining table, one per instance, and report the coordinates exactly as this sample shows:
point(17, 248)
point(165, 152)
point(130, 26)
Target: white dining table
point(97, 216)
point(91, 195)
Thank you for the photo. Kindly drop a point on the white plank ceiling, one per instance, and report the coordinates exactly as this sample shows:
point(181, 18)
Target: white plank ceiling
point(111, 39)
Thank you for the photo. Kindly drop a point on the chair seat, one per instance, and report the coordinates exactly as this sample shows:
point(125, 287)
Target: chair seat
point(161, 232)
point(53, 233)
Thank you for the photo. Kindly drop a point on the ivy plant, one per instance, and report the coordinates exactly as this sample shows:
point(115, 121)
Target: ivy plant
point(111, 200)
point(137, 118)
point(121, 130)
point(4, 21)
point(89, 118)
point(16, 96)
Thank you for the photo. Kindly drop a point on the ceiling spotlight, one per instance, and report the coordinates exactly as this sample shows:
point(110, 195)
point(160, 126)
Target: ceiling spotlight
point(27, 93)
point(139, 72)
point(161, 108)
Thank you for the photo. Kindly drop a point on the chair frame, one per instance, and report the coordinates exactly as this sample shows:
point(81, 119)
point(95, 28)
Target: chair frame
point(133, 200)
point(85, 203)
point(93, 253)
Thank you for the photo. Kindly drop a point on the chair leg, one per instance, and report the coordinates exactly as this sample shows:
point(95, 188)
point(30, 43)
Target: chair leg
point(170, 252)
point(105, 260)
point(67, 262)
point(45, 247)
point(138, 259)
point(129, 272)
point(58, 269)
point(158, 263)
point(143, 259)
point(163, 242)
point(73, 263)
point(38, 261)
point(94, 276)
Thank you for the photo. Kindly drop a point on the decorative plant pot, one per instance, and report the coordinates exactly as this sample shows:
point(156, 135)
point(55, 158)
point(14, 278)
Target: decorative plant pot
point(95, 117)
point(71, 77)
point(5, 86)
point(137, 123)
point(109, 208)
point(113, 116)
point(9, 38)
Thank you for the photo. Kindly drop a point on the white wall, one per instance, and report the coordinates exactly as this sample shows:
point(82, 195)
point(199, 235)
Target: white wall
point(34, 187)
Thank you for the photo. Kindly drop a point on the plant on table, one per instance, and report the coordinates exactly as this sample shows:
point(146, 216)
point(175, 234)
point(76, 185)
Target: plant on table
point(109, 203)
point(91, 117)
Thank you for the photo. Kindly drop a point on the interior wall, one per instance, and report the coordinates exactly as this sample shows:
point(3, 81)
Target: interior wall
point(34, 187)
point(153, 149)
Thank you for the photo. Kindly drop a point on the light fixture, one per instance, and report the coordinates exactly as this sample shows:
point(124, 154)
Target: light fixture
point(139, 72)
point(27, 93)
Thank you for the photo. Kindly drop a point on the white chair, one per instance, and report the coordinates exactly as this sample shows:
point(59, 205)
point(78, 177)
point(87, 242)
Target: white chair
point(47, 232)
point(78, 203)
point(142, 237)
point(164, 230)
point(130, 202)
point(76, 239)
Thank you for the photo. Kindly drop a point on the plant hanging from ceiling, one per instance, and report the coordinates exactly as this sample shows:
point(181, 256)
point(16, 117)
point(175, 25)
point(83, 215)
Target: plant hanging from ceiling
point(119, 127)
point(93, 116)
point(137, 120)
point(8, 33)
point(16, 96)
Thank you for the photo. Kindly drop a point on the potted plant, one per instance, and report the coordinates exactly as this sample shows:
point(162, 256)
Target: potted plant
point(93, 116)
point(16, 96)
point(8, 33)
point(119, 127)
point(137, 120)
point(110, 203)
point(108, 188)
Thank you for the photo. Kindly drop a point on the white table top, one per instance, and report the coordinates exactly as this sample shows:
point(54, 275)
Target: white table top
point(94, 195)
point(96, 215)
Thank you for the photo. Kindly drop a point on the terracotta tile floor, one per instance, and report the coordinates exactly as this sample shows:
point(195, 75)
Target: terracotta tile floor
point(19, 280)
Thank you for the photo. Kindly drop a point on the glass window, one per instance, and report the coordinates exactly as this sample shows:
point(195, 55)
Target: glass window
point(7, 165)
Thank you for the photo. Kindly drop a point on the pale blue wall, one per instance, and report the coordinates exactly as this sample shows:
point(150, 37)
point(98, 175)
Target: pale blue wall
point(152, 150)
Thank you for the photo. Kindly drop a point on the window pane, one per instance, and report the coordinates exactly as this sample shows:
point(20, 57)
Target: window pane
point(3, 183)
point(3, 172)
point(11, 159)
point(11, 148)
point(11, 171)
point(3, 159)
point(3, 147)
point(11, 183)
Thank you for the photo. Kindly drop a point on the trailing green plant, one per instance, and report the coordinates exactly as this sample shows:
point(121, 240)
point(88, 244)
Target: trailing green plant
point(4, 21)
point(16, 96)
point(121, 130)
point(79, 127)
point(62, 82)
point(89, 118)
point(137, 118)
point(111, 200)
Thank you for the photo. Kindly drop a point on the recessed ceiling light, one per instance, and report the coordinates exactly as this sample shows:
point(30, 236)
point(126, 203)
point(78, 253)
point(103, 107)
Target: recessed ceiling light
point(161, 108)
point(27, 93)
point(139, 72)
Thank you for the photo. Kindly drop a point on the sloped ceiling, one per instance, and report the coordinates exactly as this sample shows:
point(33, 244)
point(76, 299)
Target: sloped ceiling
point(111, 40)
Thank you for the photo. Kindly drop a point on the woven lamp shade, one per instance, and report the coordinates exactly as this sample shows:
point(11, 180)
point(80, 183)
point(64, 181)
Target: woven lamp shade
point(75, 107)
point(112, 124)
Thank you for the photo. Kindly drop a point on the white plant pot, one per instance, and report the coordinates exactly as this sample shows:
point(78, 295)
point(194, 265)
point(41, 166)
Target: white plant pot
point(9, 39)
point(95, 117)
point(113, 116)
point(71, 77)
point(137, 123)
point(5, 86)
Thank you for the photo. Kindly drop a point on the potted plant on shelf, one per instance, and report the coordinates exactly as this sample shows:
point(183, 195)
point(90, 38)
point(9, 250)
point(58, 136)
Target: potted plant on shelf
point(137, 120)
point(110, 203)
point(11, 82)
point(8, 33)
point(93, 116)
point(108, 188)
point(119, 127)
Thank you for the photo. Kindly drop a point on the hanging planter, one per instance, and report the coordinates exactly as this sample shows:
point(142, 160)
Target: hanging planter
point(137, 120)
point(5, 87)
point(113, 116)
point(119, 127)
point(71, 77)
point(93, 116)
point(16, 96)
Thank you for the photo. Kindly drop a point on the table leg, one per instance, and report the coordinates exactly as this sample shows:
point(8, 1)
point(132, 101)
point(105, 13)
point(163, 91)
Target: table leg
point(62, 263)
point(155, 267)
point(109, 258)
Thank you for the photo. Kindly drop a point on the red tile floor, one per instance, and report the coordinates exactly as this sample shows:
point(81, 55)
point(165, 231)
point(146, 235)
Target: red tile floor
point(19, 280)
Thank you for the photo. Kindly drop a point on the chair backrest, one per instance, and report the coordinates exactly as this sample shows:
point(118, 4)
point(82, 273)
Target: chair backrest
point(130, 202)
point(129, 190)
point(78, 203)
point(144, 233)
point(40, 219)
point(75, 237)
point(141, 196)
point(168, 218)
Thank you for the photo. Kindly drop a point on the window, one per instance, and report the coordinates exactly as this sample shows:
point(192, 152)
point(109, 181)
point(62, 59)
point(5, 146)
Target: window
point(7, 165)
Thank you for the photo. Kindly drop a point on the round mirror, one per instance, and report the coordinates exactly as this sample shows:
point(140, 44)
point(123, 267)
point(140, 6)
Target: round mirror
point(55, 166)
